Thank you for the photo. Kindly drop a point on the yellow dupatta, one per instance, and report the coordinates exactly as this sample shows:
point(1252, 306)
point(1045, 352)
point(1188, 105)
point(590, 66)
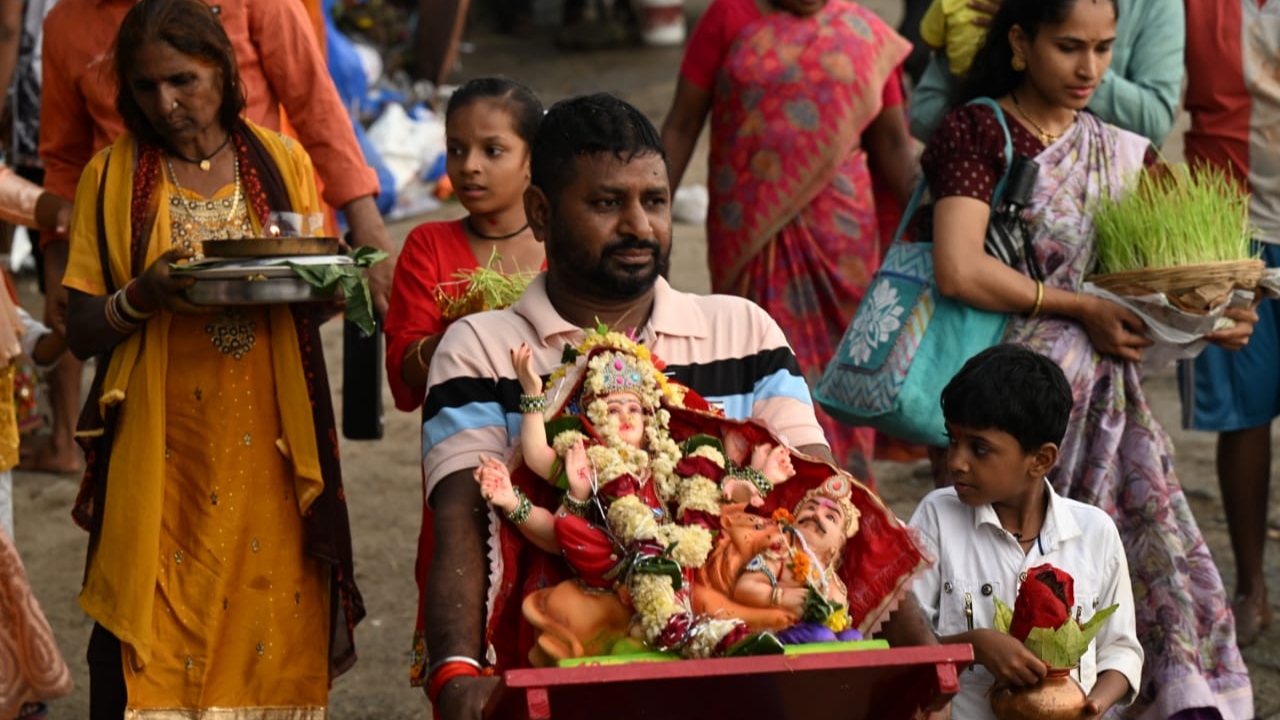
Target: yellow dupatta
point(120, 583)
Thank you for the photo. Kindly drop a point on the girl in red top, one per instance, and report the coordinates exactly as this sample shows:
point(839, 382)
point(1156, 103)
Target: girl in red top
point(488, 125)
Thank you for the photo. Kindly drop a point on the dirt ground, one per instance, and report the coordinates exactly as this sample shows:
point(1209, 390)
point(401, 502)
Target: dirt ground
point(383, 477)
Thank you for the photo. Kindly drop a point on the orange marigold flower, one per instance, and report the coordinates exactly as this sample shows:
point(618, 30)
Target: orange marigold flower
point(800, 566)
point(783, 515)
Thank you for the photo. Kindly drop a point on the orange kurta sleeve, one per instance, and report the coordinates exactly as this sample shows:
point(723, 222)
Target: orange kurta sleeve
point(66, 127)
point(285, 41)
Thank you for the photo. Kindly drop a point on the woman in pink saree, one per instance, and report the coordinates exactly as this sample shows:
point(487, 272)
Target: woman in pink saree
point(801, 103)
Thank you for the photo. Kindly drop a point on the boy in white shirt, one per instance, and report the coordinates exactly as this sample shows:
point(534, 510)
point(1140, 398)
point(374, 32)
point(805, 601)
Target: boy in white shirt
point(1006, 411)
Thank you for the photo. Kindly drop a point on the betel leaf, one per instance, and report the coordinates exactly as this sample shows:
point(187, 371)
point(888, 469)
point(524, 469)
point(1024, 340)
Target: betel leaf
point(1004, 616)
point(351, 280)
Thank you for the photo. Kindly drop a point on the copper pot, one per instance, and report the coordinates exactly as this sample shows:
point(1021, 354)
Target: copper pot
point(1056, 697)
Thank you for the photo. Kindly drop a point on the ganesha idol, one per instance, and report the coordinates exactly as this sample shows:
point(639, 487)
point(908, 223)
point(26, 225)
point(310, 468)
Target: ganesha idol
point(637, 518)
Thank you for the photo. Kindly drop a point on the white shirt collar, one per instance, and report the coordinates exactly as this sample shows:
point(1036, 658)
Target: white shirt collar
point(1059, 524)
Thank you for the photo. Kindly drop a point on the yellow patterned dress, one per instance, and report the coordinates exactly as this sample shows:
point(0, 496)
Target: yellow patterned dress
point(213, 496)
point(233, 583)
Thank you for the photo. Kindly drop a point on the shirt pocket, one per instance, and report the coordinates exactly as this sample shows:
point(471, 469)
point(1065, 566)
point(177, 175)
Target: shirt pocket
point(967, 603)
point(1088, 602)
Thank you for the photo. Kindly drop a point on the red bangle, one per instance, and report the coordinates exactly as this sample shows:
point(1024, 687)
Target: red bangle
point(446, 672)
point(133, 293)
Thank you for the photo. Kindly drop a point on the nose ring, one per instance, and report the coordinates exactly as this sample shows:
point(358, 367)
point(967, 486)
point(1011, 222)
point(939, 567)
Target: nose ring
point(174, 106)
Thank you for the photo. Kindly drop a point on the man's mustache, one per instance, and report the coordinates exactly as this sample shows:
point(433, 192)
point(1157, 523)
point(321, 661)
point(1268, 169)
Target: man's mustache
point(627, 244)
point(816, 522)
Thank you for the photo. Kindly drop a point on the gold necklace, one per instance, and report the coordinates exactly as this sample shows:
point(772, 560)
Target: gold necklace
point(619, 324)
point(235, 196)
point(1046, 137)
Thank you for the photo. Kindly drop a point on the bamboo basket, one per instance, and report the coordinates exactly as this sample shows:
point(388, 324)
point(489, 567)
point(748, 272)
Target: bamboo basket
point(1191, 288)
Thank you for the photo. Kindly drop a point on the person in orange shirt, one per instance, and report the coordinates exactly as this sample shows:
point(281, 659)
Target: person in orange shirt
point(281, 65)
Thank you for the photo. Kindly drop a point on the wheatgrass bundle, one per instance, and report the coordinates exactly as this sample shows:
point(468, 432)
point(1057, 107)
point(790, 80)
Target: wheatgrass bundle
point(1180, 233)
point(484, 288)
point(1173, 217)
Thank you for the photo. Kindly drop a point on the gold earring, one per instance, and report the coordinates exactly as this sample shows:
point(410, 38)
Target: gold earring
point(1018, 63)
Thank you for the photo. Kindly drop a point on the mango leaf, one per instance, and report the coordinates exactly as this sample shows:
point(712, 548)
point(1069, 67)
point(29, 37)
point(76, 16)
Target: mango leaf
point(350, 278)
point(1061, 648)
point(366, 256)
point(1004, 616)
point(1090, 629)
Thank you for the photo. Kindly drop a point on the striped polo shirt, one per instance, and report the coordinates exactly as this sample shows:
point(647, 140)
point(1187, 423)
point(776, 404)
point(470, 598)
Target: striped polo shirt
point(1233, 95)
point(725, 348)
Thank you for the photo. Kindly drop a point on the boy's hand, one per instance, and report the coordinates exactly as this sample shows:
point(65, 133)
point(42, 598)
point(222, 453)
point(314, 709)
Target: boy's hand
point(1006, 658)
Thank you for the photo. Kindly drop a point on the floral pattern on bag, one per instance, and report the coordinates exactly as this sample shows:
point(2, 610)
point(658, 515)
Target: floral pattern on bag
point(877, 323)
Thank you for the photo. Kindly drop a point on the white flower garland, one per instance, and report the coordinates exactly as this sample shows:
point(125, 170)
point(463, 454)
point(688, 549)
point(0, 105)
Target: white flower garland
point(698, 492)
point(707, 636)
point(631, 520)
point(655, 602)
point(566, 440)
point(692, 543)
point(709, 452)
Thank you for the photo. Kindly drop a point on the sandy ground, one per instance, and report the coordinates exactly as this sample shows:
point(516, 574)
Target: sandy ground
point(383, 478)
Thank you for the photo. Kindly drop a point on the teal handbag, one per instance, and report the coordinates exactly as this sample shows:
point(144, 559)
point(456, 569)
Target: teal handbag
point(906, 340)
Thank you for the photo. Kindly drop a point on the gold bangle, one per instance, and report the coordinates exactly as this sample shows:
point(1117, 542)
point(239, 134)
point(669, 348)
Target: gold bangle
point(1035, 310)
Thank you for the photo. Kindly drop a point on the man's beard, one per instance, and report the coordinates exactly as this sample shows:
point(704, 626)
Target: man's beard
point(597, 275)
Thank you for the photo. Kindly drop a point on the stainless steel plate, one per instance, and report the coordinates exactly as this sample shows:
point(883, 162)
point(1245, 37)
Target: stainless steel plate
point(253, 269)
point(256, 292)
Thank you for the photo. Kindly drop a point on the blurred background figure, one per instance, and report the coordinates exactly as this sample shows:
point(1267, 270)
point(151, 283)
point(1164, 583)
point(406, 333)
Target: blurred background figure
point(1139, 92)
point(792, 222)
point(1233, 95)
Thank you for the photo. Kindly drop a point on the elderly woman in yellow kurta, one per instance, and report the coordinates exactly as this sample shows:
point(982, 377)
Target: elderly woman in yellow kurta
point(219, 569)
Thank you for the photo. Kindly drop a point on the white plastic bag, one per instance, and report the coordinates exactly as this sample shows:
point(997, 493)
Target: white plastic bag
point(690, 204)
point(1175, 334)
point(408, 144)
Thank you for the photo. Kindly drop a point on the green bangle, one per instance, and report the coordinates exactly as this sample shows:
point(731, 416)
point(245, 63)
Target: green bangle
point(755, 477)
point(574, 506)
point(522, 509)
point(532, 404)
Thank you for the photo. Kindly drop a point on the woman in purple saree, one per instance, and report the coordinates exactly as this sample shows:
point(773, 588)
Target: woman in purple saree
point(1041, 62)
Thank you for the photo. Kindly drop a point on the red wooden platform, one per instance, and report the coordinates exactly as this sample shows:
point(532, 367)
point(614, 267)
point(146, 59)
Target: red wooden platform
point(887, 684)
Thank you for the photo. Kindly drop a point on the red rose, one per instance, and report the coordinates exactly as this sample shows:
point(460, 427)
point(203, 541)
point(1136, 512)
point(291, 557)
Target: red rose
point(1044, 600)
